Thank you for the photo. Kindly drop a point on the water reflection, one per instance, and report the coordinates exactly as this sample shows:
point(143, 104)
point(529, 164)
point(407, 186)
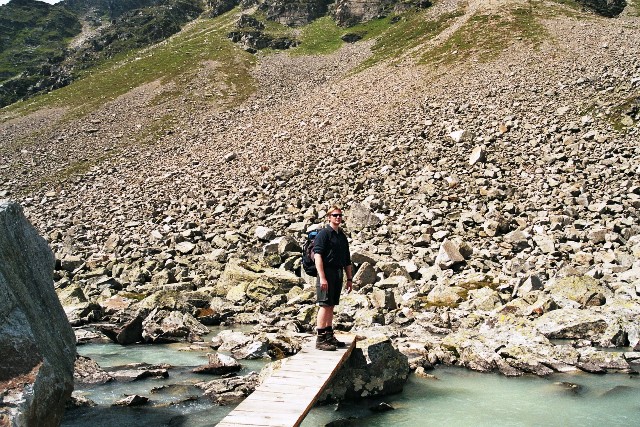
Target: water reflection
point(173, 401)
point(457, 397)
point(464, 398)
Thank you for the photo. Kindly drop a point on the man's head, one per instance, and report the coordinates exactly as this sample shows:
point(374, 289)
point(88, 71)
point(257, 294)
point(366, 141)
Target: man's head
point(334, 216)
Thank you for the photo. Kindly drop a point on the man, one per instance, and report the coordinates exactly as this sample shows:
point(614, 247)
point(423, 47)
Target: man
point(331, 256)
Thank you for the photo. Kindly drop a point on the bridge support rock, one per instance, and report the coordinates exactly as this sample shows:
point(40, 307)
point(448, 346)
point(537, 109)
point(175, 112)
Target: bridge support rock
point(375, 368)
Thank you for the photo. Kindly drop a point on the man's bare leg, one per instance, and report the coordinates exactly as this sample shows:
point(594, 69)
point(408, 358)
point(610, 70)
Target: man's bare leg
point(325, 317)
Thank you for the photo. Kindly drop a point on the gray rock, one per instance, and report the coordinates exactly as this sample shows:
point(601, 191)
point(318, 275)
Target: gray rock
point(127, 331)
point(219, 364)
point(360, 256)
point(449, 255)
point(477, 155)
point(252, 350)
point(137, 372)
point(531, 283)
point(446, 296)
point(87, 371)
point(585, 290)
point(375, 368)
point(609, 8)
point(571, 323)
point(546, 244)
point(384, 299)
point(360, 216)
point(366, 275)
point(485, 299)
point(36, 366)
point(264, 233)
point(238, 276)
point(185, 247)
point(132, 400)
point(350, 12)
point(605, 360)
point(162, 326)
point(461, 135)
point(288, 244)
point(229, 340)
point(509, 344)
point(227, 391)
point(70, 263)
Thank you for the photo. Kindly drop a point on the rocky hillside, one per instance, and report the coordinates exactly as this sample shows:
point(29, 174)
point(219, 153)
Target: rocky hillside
point(45, 47)
point(484, 152)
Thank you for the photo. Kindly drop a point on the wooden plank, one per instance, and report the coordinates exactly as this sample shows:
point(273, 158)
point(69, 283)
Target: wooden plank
point(267, 407)
point(256, 419)
point(285, 398)
point(294, 398)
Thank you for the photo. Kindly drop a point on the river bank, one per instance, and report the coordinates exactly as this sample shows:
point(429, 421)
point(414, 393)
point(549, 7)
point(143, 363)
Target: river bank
point(453, 396)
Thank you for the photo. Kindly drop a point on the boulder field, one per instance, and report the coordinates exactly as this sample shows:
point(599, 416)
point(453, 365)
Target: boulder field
point(491, 204)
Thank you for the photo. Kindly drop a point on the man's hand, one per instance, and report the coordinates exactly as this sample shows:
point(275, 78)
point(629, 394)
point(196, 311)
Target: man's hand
point(324, 285)
point(349, 286)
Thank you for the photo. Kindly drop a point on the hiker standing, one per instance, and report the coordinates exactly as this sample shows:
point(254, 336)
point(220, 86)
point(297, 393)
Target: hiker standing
point(331, 257)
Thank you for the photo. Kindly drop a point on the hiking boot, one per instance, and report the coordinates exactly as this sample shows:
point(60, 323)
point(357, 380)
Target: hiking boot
point(333, 340)
point(323, 343)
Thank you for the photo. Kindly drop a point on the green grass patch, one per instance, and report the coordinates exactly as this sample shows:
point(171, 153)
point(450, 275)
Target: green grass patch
point(176, 61)
point(484, 37)
point(623, 115)
point(320, 37)
point(74, 169)
point(410, 30)
point(157, 130)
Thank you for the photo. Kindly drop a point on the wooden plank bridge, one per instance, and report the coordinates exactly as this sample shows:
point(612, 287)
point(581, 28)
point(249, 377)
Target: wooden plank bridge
point(287, 396)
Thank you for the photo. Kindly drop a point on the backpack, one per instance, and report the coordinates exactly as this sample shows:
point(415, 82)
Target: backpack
point(308, 258)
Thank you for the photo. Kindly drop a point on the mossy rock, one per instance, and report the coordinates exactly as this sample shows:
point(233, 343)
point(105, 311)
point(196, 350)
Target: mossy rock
point(583, 289)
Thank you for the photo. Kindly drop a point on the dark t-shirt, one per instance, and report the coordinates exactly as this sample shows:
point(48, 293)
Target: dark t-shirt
point(333, 246)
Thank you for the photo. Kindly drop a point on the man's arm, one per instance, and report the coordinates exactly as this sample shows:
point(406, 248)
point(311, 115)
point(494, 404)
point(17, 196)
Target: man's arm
point(324, 285)
point(349, 270)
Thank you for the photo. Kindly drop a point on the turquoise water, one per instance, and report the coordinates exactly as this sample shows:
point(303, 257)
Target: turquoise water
point(464, 398)
point(457, 398)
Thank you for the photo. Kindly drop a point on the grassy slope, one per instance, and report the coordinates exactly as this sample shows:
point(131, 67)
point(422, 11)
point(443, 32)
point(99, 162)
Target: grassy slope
point(31, 36)
point(176, 60)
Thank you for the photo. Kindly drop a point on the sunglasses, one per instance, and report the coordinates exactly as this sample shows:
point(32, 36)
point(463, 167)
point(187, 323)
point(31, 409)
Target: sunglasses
point(336, 215)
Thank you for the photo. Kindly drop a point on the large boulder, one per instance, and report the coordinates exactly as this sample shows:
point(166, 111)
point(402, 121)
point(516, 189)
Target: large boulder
point(508, 344)
point(243, 281)
point(361, 217)
point(375, 368)
point(37, 343)
point(77, 307)
point(162, 326)
point(351, 12)
point(254, 345)
point(446, 296)
point(293, 12)
point(608, 8)
point(227, 391)
point(584, 290)
point(127, 329)
point(571, 323)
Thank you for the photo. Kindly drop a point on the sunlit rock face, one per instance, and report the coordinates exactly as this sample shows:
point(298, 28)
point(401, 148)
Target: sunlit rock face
point(37, 343)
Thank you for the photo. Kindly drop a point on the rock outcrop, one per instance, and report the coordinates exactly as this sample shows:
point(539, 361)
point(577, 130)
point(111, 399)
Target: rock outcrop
point(609, 8)
point(351, 12)
point(293, 12)
point(37, 343)
point(375, 368)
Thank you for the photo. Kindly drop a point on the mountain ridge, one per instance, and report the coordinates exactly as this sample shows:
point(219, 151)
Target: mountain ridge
point(120, 27)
